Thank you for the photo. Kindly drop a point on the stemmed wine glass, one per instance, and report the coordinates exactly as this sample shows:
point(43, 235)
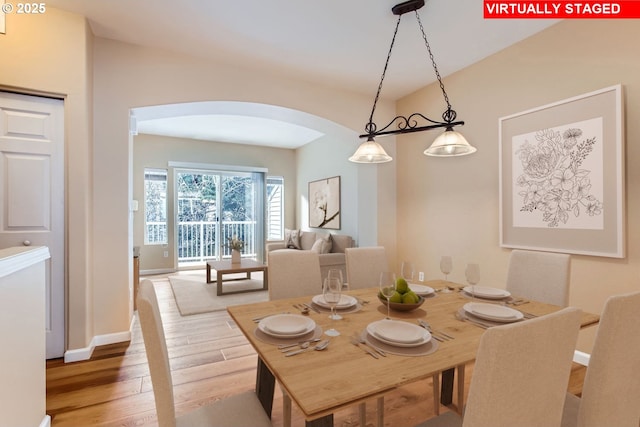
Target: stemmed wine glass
point(446, 265)
point(336, 274)
point(387, 288)
point(332, 291)
point(407, 271)
point(473, 277)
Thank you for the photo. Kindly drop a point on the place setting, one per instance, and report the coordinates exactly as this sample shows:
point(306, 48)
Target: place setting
point(284, 329)
point(486, 315)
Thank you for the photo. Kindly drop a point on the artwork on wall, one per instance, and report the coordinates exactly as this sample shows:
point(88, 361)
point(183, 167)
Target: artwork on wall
point(562, 176)
point(324, 203)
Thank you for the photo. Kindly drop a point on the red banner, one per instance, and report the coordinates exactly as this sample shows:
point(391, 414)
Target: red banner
point(624, 9)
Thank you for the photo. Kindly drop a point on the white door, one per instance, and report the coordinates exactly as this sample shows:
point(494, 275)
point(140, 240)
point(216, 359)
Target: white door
point(32, 194)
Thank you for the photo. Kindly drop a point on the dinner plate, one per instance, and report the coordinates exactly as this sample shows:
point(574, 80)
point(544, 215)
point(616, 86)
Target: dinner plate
point(421, 289)
point(286, 325)
point(346, 301)
point(398, 333)
point(497, 313)
point(486, 292)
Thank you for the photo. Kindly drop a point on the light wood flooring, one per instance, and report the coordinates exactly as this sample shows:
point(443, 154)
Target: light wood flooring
point(210, 358)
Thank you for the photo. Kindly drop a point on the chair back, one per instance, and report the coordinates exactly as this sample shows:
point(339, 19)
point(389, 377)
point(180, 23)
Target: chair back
point(364, 266)
point(521, 372)
point(541, 276)
point(157, 354)
point(293, 273)
point(611, 390)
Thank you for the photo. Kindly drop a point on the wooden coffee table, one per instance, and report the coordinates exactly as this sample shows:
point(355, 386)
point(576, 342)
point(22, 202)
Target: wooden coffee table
point(245, 266)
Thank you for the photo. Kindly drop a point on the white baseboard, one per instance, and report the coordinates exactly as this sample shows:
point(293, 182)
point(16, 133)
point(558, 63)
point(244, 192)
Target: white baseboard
point(581, 357)
point(85, 353)
point(157, 271)
point(46, 421)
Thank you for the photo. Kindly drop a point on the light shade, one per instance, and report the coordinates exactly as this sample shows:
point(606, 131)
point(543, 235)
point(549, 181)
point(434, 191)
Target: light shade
point(370, 152)
point(450, 143)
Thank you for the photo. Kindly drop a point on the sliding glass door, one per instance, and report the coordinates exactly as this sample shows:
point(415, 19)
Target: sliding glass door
point(214, 206)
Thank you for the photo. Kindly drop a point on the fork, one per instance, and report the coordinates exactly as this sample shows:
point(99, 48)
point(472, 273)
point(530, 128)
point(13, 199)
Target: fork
point(355, 341)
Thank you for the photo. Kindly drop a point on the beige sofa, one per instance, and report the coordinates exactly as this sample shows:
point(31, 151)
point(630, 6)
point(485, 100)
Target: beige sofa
point(308, 240)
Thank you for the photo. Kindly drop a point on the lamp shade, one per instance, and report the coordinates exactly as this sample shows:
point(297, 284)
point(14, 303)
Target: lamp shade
point(370, 152)
point(450, 143)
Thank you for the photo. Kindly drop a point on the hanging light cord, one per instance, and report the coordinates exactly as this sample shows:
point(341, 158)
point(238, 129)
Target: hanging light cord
point(449, 115)
point(371, 127)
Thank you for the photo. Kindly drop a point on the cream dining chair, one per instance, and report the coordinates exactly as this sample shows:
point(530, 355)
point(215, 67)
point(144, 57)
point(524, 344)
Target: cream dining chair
point(292, 273)
point(611, 389)
point(364, 265)
point(540, 276)
point(521, 374)
point(240, 410)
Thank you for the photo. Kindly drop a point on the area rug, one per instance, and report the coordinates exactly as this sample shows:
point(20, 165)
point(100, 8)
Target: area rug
point(193, 295)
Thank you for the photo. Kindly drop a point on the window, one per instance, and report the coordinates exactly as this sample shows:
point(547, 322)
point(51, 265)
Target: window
point(155, 207)
point(275, 208)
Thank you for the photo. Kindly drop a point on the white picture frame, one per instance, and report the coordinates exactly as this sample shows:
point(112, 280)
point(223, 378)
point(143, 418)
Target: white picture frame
point(562, 176)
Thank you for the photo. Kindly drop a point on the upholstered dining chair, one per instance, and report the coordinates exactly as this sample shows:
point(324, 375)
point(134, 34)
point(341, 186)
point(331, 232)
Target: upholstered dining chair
point(611, 389)
point(541, 276)
point(364, 266)
point(521, 374)
point(240, 410)
point(293, 273)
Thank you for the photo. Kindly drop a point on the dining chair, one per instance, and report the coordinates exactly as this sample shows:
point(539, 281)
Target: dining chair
point(540, 276)
point(364, 266)
point(611, 389)
point(240, 410)
point(521, 374)
point(293, 273)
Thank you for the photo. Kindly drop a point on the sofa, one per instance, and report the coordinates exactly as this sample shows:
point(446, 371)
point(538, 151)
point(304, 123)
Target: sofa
point(329, 247)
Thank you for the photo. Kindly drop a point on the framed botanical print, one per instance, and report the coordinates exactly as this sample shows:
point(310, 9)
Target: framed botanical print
point(324, 203)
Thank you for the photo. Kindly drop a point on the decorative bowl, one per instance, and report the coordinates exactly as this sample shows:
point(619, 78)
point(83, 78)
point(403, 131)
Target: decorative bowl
point(398, 306)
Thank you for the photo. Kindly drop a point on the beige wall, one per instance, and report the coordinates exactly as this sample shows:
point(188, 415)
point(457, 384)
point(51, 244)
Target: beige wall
point(450, 206)
point(51, 54)
point(150, 151)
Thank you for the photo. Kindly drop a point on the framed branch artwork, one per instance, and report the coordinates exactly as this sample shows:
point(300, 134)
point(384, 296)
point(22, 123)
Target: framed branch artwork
point(324, 203)
point(562, 176)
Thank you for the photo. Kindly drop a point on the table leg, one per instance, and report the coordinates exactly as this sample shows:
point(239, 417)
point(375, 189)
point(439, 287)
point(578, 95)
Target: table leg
point(219, 283)
point(446, 394)
point(460, 388)
point(265, 279)
point(265, 386)
point(208, 273)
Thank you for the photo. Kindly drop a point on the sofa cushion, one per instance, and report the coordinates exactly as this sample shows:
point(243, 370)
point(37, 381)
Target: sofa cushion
point(322, 244)
point(292, 239)
point(340, 242)
point(307, 239)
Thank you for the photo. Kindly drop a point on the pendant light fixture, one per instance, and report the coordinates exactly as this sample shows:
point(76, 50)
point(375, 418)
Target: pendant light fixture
point(450, 143)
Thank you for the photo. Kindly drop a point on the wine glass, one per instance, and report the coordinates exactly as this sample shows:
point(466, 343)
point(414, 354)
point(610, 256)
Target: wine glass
point(473, 277)
point(387, 288)
point(336, 274)
point(446, 265)
point(407, 271)
point(332, 291)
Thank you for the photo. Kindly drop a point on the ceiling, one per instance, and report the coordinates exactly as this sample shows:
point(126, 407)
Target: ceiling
point(342, 44)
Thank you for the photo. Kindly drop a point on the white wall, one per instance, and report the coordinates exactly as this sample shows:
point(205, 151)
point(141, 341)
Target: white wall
point(450, 205)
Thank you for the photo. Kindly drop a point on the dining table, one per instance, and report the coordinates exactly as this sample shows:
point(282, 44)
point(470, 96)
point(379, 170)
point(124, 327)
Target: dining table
point(345, 374)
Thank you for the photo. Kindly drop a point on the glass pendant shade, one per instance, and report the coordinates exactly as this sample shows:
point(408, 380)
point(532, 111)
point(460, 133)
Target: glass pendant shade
point(370, 152)
point(450, 143)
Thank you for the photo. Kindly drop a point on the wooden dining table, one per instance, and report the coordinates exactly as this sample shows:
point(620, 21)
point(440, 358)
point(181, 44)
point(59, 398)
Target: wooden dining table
point(322, 382)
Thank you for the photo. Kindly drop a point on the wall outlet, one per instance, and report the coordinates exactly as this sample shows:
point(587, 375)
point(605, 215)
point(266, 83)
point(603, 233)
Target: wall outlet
point(166, 254)
point(421, 276)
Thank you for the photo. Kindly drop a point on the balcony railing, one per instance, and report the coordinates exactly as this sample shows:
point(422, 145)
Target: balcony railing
point(197, 241)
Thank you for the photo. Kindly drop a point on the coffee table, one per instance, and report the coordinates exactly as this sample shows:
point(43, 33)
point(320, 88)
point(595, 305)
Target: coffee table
point(244, 266)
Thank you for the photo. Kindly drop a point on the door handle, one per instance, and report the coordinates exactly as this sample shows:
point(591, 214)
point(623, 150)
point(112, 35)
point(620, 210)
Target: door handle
point(27, 243)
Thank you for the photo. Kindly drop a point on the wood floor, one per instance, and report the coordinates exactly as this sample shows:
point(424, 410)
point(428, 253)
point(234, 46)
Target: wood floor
point(210, 358)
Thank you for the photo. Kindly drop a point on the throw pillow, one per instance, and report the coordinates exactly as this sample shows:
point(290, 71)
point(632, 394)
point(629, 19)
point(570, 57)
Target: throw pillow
point(292, 239)
point(322, 245)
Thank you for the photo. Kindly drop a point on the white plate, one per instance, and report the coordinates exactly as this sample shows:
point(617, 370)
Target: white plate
point(346, 301)
point(398, 333)
point(497, 313)
point(485, 292)
point(421, 289)
point(286, 325)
